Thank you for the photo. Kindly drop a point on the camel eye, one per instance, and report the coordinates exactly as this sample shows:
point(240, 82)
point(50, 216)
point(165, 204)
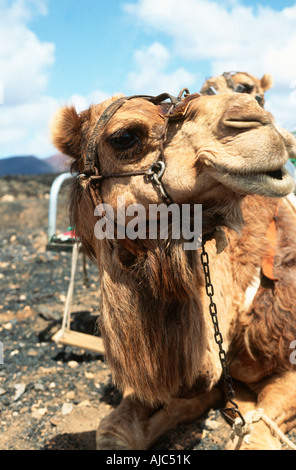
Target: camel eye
point(247, 87)
point(124, 140)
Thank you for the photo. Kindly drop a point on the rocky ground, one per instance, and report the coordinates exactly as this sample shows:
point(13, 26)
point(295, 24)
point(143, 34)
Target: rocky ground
point(52, 397)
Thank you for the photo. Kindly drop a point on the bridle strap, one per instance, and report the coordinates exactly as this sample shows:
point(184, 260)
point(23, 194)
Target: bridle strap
point(112, 175)
point(240, 88)
point(91, 174)
point(89, 167)
point(229, 81)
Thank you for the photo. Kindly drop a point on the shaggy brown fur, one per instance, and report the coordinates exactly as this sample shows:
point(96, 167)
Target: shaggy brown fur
point(273, 310)
point(154, 316)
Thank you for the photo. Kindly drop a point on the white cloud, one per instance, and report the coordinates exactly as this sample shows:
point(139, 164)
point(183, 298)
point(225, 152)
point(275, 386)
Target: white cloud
point(231, 37)
point(151, 76)
point(24, 59)
point(25, 64)
point(83, 102)
point(227, 34)
point(25, 127)
point(282, 104)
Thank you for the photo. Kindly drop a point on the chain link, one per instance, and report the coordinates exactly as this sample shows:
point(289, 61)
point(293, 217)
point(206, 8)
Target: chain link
point(154, 174)
point(218, 336)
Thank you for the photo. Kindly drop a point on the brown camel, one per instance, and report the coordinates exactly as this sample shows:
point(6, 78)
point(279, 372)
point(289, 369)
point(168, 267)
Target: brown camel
point(240, 82)
point(226, 153)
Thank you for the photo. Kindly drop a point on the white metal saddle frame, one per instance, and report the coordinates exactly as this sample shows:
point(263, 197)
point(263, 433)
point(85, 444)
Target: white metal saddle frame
point(65, 335)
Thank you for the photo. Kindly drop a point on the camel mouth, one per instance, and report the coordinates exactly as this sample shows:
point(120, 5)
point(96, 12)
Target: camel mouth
point(277, 174)
point(272, 183)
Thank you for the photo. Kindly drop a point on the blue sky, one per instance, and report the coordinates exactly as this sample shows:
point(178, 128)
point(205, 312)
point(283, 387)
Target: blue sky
point(93, 41)
point(81, 51)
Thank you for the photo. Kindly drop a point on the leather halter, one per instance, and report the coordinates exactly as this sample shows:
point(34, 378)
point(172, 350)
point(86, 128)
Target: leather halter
point(176, 109)
point(236, 88)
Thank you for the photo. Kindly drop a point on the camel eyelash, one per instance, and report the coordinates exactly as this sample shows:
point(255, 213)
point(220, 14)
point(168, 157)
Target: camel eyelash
point(124, 140)
point(128, 142)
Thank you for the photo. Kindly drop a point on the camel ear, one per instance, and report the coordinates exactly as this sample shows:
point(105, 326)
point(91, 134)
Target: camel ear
point(266, 82)
point(66, 131)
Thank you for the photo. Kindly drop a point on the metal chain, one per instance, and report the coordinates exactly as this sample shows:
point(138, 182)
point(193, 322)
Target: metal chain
point(218, 336)
point(154, 174)
point(157, 168)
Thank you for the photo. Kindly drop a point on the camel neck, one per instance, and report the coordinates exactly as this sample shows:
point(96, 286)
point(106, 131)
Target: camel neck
point(148, 338)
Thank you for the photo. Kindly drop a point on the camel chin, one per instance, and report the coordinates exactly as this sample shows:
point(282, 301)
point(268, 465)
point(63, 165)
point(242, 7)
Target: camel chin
point(276, 183)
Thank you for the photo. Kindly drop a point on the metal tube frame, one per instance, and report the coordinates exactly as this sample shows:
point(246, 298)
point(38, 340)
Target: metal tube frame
point(53, 202)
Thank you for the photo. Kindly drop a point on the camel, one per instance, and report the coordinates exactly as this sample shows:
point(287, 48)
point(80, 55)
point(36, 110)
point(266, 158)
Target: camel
point(224, 152)
point(241, 82)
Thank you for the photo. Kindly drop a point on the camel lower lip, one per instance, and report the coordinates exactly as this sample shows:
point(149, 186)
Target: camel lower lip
point(277, 183)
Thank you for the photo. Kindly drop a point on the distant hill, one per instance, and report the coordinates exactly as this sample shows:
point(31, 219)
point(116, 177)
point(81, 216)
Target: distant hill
point(30, 165)
point(59, 162)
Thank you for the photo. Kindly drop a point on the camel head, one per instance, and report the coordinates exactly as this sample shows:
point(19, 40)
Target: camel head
point(217, 150)
point(240, 82)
